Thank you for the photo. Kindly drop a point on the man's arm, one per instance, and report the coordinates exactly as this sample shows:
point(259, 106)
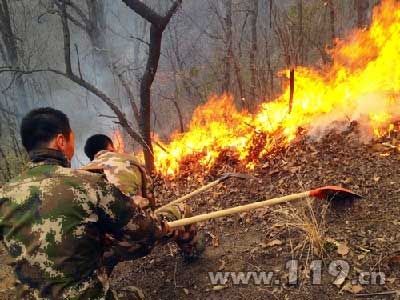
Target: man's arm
point(133, 232)
point(120, 218)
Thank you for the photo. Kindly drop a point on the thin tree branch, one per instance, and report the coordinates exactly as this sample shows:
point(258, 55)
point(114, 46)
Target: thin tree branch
point(86, 23)
point(80, 13)
point(67, 38)
point(144, 11)
point(131, 97)
point(107, 116)
point(141, 40)
point(79, 61)
point(150, 15)
point(8, 112)
point(161, 147)
point(77, 23)
point(171, 12)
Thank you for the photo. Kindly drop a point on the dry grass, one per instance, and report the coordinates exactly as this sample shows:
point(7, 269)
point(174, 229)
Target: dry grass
point(304, 226)
point(306, 222)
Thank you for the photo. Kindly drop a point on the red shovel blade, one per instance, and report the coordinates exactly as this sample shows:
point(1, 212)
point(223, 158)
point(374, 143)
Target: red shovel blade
point(334, 193)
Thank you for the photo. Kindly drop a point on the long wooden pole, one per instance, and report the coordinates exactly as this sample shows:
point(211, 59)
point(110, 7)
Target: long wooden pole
point(194, 193)
point(238, 209)
point(204, 188)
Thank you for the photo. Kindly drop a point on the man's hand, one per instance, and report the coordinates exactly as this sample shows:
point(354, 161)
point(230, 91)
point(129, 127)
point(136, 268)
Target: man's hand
point(173, 213)
point(141, 202)
point(190, 242)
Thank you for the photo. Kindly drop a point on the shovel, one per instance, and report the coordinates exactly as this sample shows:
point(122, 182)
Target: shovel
point(206, 187)
point(329, 193)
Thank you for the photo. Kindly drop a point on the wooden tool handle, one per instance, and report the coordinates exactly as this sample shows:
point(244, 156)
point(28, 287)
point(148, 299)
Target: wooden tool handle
point(194, 193)
point(237, 209)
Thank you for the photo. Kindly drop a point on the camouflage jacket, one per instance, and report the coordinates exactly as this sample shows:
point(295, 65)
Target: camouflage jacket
point(124, 171)
point(53, 220)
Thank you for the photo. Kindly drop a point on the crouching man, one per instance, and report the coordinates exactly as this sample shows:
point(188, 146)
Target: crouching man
point(53, 220)
point(121, 169)
point(126, 172)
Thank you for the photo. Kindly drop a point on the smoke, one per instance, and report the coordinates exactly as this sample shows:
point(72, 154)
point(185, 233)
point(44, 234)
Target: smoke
point(41, 41)
point(363, 109)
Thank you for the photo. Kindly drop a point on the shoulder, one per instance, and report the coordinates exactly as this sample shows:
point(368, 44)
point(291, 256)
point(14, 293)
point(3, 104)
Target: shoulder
point(111, 160)
point(110, 157)
point(82, 175)
point(51, 179)
point(82, 180)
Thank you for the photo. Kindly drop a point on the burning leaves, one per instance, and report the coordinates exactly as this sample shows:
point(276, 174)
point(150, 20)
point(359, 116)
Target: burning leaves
point(362, 84)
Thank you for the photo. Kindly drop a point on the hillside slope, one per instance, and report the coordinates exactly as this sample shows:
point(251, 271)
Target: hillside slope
point(365, 235)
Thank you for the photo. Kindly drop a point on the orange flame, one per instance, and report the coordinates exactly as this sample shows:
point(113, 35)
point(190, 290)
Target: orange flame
point(362, 83)
point(118, 141)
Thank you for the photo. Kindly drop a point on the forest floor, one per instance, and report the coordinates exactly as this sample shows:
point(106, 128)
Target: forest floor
point(365, 237)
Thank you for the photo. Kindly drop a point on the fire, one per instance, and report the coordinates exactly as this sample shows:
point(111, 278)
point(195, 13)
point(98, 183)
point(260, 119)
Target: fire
point(118, 142)
point(362, 84)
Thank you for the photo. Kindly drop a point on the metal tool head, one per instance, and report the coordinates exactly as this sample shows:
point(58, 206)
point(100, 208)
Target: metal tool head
point(334, 194)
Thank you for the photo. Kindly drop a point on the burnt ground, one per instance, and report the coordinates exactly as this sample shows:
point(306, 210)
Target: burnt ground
point(366, 235)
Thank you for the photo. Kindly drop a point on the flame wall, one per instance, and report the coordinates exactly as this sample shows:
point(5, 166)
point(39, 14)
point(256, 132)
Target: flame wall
point(362, 84)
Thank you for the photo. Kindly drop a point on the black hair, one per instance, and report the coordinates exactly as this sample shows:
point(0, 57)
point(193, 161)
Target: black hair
point(96, 143)
point(41, 125)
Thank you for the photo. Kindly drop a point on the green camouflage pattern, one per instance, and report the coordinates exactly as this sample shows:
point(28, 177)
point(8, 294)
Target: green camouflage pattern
point(53, 221)
point(124, 171)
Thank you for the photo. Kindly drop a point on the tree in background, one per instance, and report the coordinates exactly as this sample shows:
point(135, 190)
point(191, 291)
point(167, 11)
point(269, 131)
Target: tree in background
point(362, 7)
point(9, 53)
point(158, 25)
point(93, 25)
point(150, 69)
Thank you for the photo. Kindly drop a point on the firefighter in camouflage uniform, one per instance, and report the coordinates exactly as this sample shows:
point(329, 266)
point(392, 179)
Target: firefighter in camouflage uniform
point(123, 170)
point(130, 177)
point(53, 219)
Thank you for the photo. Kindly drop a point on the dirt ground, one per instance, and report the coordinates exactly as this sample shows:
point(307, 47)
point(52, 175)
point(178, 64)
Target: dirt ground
point(366, 235)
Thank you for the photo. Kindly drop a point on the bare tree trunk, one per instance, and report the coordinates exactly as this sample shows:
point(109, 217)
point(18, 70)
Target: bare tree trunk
point(361, 7)
point(228, 45)
point(270, 71)
point(236, 65)
point(131, 98)
point(93, 21)
point(180, 117)
point(253, 52)
point(7, 34)
point(143, 25)
point(332, 22)
point(176, 93)
point(11, 53)
point(145, 93)
point(179, 67)
point(97, 27)
point(158, 25)
point(300, 29)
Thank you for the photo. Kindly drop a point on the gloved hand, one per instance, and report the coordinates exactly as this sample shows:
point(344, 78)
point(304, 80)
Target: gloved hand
point(188, 240)
point(173, 212)
point(177, 212)
point(169, 214)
